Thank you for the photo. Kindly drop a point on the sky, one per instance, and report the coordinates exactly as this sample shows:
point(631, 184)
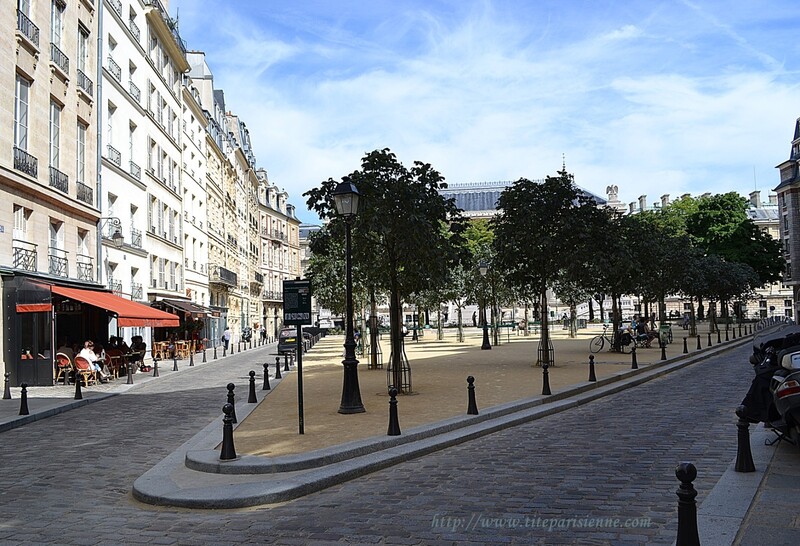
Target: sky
point(670, 97)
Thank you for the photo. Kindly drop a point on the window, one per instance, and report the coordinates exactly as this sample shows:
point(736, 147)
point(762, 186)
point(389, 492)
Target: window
point(25, 7)
point(55, 133)
point(56, 234)
point(57, 21)
point(112, 109)
point(762, 303)
point(21, 215)
point(22, 95)
point(81, 152)
point(83, 242)
point(83, 48)
point(787, 303)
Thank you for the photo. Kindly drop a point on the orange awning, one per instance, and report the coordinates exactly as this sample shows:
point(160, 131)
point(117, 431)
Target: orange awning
point(129, 313)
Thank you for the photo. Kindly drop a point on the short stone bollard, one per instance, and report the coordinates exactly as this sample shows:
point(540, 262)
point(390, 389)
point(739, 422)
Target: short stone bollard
point(174, 362)
point(634, 363)
point(744, 455)
point(394, 421)
point(7, 387)
point(685, 346)
point(592, 376)
point(251, 396)
point(687, 506)
point(709, 339)
point(472, 405)
point(286, 362)
point(78, 393)
point(278, 368)
point(155, 367)
point(228, 450)
point(232, 401)
point(266, 386)
point(23, 400)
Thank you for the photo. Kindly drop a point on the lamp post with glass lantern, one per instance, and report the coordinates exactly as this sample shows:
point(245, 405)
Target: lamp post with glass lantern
point(483, 267)
point(346, 197)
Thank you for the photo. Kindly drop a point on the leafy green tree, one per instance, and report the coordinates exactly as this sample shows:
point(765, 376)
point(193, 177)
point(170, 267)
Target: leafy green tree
point(406, 236)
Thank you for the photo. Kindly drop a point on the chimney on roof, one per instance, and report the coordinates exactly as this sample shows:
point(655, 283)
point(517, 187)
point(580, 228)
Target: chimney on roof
point(755, 199)
point(642, 203)
point(686, 196)
point(664, 200)
point(632, 207)
point(706, 195)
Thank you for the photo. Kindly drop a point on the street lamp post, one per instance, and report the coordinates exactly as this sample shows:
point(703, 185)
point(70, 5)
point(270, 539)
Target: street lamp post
point(346, 198)
point(275, 324)
point(483, 267)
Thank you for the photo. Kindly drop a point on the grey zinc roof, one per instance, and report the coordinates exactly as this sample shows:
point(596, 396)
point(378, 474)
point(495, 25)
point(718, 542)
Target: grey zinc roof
point(483, 196)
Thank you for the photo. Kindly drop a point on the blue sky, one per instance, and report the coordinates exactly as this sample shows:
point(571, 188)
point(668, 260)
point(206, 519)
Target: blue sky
point(658, 98)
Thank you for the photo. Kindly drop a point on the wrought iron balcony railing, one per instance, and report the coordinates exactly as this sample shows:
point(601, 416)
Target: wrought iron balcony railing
point(85, 267)
point(114, 156)
point(116, 5)
point(59, 180)
point(85, 193)
point(85, 83)
point(137, 292)
point(134, 29)
point(28, 29)
point(25, 162)
point(58, 263)
point(134, 91)
point(24, 255)
point(136, 171)
point(114, 68)
point(220, 275)
point(58, 57)
point(136, 238)
point(115, 286)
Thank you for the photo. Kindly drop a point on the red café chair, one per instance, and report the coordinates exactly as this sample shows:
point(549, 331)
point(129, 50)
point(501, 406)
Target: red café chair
point(83, 369)
point(63, 368)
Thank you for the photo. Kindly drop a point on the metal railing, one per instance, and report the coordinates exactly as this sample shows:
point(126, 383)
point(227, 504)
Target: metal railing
point(136, 171)
point(58, 57)
point(116, 5)
point(272, 295)
point(136, 238)
point(25, 162)
point(114, 68)
point(59, 265)
point(59, 180)
point(115, 286)
point(134, 29)
point(85, 83)
point(28, 29)
point(134, 91)
point(221, 275)
point(259, 278)
point(85, 267)
point(85, 193)
point(171, 23)
point(137, 291)
point(24, 258)
point(114, 156)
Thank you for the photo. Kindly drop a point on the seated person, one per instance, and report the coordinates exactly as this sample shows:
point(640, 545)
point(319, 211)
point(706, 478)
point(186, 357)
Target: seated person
point(644, 333)
point(66, 349)
point(88, 353)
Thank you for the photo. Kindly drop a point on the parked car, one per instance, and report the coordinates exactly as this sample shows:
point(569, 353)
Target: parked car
point(287, 340)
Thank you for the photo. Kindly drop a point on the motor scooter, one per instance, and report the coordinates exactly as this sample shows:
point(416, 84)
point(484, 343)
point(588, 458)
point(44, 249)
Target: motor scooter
point(774, 395)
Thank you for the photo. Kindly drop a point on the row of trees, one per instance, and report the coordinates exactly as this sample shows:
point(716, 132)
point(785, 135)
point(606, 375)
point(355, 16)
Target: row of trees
point(412, 245)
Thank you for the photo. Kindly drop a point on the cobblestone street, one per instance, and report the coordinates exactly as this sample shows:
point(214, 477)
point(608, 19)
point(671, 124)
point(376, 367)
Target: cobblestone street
point(67, 479)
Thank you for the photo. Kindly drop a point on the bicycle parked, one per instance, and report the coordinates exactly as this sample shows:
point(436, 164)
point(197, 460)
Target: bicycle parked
point(626, 342)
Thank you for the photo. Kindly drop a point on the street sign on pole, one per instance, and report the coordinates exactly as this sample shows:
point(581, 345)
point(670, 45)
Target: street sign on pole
point(296, 302)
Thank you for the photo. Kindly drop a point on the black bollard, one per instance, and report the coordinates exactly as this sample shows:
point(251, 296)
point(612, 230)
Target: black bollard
point(224, 352)
point(685, 347)
point(687, 506)
point(266, 386)
point(726, 335)
point(232, 402)
point(232, 351)
point(23, 400)
point(472, 405)
point(251, 396)
point(719, 337)
point(709, 339)
point(592, 376)
point(174, 362)
point(286, 362)
point(129, 371)
point(239, 345)
point(78, 393)
point(740, 330)
point(698, 342)
point(663, 350)
point(394, 421)
point(546, 380)
point(215, 352)
point(228, 450)
point(733, 333)
point(744, 456)
point(634, 363)
point(278, 367)
point(191, 357)
point(204, 355)
point(7, 388)
point(155, 367)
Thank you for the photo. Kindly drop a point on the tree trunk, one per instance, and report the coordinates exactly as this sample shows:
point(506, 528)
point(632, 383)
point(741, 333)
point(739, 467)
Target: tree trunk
point(573, 320)
point(396, 321)
point(591, 310)
point(615, 322)
point(460, 325)
point(544, 343)
point(440, 330)
point(373, 329)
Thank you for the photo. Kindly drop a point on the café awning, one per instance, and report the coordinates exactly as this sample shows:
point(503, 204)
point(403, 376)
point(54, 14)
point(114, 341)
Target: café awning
point(186, 307)
point(129, 313)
